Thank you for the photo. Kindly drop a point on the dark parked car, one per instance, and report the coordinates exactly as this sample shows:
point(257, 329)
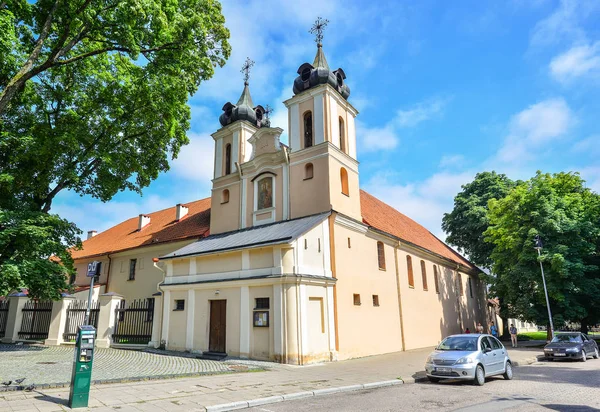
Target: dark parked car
point(571, 345)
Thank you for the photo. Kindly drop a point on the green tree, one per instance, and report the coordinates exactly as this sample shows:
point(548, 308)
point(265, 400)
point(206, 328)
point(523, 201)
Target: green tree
point(566, 215)
point(469, 217)
point(93, 99)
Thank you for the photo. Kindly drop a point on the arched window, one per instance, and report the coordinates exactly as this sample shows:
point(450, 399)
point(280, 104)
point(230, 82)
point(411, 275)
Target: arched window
point(344, 179)
point(308, 130)
point(424, 274)
point(228, 159)
point(225, 196)
point(265, 193)
point(436, 280)
point(411, 279)
point(381, 255)
point(308, 171)
point(343, 147)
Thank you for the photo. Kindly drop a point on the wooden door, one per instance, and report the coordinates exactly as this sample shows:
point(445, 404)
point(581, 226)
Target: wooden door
point(218, 323)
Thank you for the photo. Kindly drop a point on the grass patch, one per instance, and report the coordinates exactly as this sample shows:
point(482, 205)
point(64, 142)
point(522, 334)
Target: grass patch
point(532, 336)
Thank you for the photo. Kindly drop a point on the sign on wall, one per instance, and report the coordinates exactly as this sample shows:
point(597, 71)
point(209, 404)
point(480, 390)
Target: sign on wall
point(94, 269)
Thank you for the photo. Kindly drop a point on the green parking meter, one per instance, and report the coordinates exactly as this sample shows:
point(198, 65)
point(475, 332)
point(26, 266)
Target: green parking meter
point(81, 377)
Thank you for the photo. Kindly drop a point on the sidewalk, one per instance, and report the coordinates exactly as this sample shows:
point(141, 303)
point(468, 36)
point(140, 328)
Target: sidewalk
point(196, 394)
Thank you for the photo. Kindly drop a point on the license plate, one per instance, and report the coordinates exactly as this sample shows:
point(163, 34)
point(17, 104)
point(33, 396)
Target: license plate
point(443, 370)
point(560, 354)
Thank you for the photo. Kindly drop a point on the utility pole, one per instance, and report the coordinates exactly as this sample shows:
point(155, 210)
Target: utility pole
point(538, 247)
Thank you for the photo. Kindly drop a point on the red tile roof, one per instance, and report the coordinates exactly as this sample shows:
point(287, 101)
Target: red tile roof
point(387, 219)
point(164, 228)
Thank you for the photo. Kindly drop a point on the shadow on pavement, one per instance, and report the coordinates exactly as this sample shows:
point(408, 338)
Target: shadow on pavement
point(570, 408)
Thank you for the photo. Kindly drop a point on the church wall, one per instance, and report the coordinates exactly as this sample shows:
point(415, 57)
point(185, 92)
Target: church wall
point(309, 196)
point(428, 317)
point(316, 325)
point(177, 321)
point(227, 140)
point(346, 204)
point(261, 258)
point(365, 329)
point(225, 217)
point(261, 338)
point(307, 105)
point(472, 303)
point(287, 260)
point(218, 263)
point(278, 200)
point(311, 252)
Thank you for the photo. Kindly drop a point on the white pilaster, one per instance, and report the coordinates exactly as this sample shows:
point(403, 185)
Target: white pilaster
point(193, 269)
point(319, 132)
point(277, 321)
point(302, 305)
point(330, 318)
point(326, 248)
point(235, 150)
point(294, 126)
point(286, 192)
point(191, 309)
point(277, 264)
point(169, 268)
point(243, 206)
point(218, 158)
point(351, 137)
point(166, 313)
point(244, 322)
point(334, 122)
point(245, 259)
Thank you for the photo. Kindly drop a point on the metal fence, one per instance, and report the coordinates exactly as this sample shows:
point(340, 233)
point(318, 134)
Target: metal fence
point(3, 316)
point(36, 320)
point(133, 322)
point(76, 317)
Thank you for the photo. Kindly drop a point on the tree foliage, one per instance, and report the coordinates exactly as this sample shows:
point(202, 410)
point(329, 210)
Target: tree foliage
point(495, 220)
point(469, 218)
point(93, 99)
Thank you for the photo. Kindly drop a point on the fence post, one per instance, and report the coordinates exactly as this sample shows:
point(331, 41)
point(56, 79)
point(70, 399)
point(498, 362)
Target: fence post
point(58, 318)
point(106, 318)
point(156, 320)
point(15, 317)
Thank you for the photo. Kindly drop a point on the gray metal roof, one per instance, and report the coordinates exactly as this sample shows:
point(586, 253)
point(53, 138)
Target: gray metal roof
point(270, 234)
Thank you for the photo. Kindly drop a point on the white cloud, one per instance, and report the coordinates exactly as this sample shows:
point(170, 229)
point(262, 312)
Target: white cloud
point(450, 161)
point(563, 24)
point(420, 112)
point(196, 160)
point(591, 175)
point(589, 146)
point(577, 62)
point(534, 127)
point(372, 139)
point(425, 201)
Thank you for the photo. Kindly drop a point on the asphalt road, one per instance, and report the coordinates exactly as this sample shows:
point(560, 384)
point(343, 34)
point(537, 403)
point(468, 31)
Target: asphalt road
point(544, 386)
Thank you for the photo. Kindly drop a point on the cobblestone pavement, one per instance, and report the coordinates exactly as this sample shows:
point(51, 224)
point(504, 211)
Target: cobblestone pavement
point(543, 386)
point(51, 365)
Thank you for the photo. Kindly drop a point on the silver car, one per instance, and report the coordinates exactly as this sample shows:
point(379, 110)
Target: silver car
point(470, 357)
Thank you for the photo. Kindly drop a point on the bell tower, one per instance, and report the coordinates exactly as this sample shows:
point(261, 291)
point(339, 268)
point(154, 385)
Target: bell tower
point(322, 138)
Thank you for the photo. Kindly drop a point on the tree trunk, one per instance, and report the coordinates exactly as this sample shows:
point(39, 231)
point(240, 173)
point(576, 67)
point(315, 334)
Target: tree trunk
point(548, 333)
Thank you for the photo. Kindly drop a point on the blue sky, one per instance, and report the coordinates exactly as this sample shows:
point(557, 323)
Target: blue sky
point(444, 90)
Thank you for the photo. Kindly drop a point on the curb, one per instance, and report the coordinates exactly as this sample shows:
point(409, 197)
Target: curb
point(299, 395)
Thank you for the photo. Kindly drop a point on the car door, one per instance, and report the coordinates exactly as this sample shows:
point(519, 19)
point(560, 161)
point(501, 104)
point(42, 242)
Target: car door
point(499, 354)
point(487, 355)
point(588, 345)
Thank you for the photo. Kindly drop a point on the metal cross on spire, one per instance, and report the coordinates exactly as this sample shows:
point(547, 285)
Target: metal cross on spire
point(317, 29)
point(246, 69)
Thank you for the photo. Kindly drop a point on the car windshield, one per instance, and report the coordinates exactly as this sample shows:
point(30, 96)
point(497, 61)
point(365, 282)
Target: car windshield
point(566, 339)
point(462, 343)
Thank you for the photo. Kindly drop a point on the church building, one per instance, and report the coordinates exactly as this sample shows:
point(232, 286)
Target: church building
point(289, 260)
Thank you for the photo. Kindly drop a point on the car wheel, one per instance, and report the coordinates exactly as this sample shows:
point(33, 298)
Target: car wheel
point(508, 372)
point(596, 355)
point(479, 376)
point(433, 380)
point(583, 356)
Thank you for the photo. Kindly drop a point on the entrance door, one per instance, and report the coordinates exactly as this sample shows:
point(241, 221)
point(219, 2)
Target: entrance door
point(218, 320)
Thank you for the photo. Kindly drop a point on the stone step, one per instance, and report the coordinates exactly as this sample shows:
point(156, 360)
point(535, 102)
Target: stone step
point(216, 356)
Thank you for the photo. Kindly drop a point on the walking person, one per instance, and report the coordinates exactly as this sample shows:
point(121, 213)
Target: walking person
point(513, 335)
point(479, 328)
point(494, 330)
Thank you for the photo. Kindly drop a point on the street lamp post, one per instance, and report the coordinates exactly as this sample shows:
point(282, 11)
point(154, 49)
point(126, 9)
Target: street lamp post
point(538, 247)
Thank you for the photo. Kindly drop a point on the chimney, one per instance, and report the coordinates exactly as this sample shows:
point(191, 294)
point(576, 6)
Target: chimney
point(91, 234)
point(182, 212)
point(144, 220)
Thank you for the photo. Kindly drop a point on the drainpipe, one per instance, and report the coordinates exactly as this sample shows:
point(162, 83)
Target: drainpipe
point(158, 288)
point(458, 298)
point(107, 274)
point(399, 295)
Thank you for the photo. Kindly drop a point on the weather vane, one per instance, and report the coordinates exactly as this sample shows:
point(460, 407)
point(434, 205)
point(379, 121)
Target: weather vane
point(317, 29)
point(246, 69)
